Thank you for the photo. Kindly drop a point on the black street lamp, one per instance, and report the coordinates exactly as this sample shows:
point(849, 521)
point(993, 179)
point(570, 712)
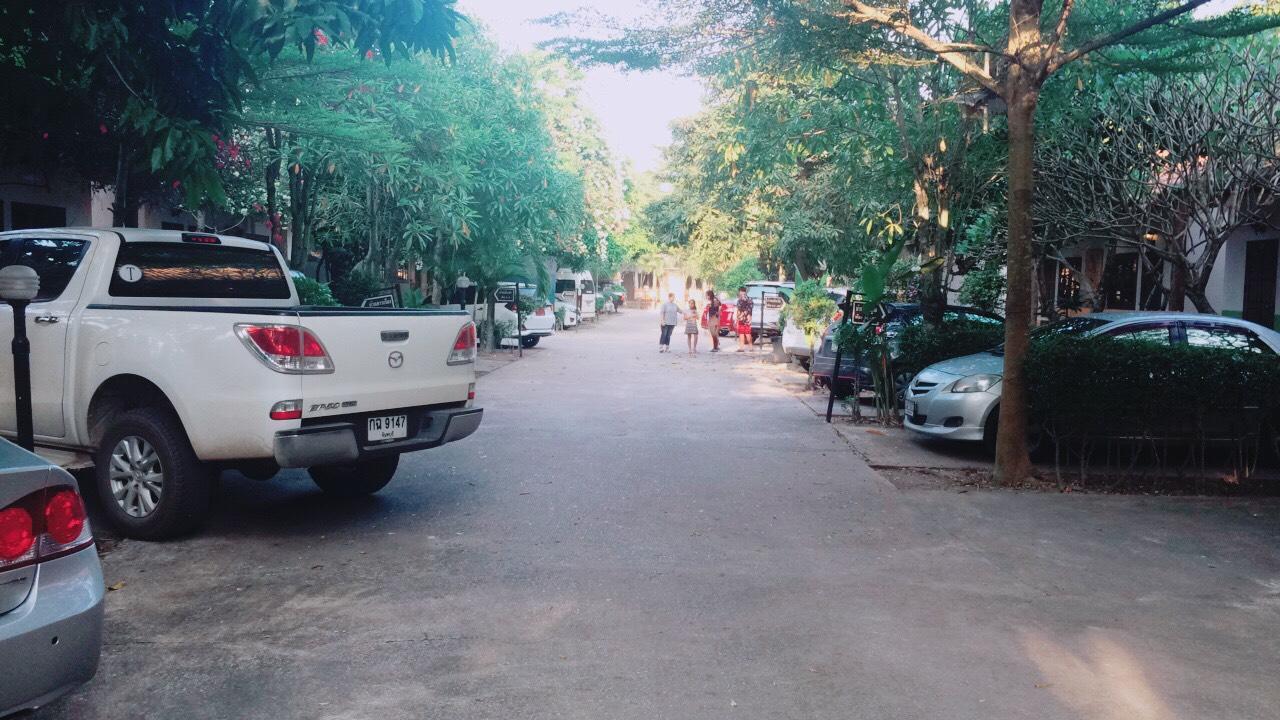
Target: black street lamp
point(19, 285)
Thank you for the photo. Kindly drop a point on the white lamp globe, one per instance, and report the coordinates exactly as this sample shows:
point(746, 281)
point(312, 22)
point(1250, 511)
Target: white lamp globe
point(19, 282)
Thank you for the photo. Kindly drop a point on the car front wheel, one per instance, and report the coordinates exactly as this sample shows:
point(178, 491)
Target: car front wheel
point(149, 480)
point(363, 477)
point(1035, 436)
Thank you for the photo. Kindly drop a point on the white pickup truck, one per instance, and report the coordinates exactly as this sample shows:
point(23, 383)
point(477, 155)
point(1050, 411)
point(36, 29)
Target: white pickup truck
point(164, 357)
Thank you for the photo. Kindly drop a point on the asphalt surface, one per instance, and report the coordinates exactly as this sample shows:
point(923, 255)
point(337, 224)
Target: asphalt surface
point(634, 535)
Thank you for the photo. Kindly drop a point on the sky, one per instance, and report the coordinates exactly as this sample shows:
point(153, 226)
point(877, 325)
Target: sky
point(635, 109)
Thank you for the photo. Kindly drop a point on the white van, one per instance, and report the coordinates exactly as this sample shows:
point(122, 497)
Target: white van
point(537, 325)
point(577, 290)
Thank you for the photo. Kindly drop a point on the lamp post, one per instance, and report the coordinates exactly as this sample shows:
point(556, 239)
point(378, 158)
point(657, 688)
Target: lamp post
point(19, 285)
point(463, 283)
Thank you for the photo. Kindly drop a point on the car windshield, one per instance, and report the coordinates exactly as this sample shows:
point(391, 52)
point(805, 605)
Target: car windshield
point(1070, 326)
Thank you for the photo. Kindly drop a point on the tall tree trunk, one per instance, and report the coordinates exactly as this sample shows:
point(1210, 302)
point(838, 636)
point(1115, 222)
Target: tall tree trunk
point(271, 177)
point(1196, 293)
point(1013, 462)
point(1177, 286)
point(299, 205)
point(120, 214)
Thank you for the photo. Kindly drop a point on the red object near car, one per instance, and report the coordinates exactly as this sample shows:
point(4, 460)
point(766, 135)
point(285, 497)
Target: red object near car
point(726, 313)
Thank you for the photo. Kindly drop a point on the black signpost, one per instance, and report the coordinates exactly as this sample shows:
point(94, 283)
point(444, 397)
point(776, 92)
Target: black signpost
point(519, 324)
point(846, 314)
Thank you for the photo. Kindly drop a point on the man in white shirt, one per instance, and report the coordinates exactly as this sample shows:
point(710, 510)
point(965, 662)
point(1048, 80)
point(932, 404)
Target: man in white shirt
point(668, 316)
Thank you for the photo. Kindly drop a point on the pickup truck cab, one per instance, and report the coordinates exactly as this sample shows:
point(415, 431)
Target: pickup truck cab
point(162, 357)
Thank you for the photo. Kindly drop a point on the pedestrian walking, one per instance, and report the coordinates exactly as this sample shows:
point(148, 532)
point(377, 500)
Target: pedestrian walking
point(691, 330)
point(713, 319)
point(668, 316)
point(742, 321)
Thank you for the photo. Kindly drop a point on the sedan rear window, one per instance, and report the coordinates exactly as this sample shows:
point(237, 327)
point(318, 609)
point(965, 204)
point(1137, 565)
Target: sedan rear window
point(189, 270)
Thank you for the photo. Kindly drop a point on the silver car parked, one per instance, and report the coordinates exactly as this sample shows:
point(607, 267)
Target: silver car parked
point(51, 592)
point(960, 398)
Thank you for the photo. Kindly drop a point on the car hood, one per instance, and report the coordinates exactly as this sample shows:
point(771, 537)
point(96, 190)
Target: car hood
point(983, 362)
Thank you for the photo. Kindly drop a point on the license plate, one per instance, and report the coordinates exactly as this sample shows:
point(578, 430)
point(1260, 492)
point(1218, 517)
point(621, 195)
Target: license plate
point(388, 427)
point(911, 409)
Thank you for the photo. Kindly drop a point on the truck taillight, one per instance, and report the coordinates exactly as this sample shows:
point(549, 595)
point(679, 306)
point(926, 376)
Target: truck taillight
point(44, 525)
point(286, 348)
point(286, 410)
point(464, 346)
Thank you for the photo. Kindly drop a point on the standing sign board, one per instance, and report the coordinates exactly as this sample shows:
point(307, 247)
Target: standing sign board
point(386, 298)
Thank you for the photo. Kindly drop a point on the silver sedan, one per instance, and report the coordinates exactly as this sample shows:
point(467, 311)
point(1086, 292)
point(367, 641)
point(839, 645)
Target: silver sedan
point(960, 398)
point(51, 593)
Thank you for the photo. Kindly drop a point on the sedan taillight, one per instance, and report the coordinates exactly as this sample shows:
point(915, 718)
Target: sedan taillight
point(286, 348)
point(44, 525)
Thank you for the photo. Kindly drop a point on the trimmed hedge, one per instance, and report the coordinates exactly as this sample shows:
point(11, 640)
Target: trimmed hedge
point(312, 292)
point(1107, 387)
point(921, 345)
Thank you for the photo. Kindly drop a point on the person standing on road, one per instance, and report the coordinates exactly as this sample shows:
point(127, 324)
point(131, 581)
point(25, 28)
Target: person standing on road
point(668, 316)
point(713, 319)
point(742, 321)
point(691, 330)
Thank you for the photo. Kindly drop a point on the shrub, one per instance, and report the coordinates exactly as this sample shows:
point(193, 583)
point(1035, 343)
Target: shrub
point(810, 308)
point(1106, 387)
point(313, 292)
point(353, 288)
point(921, 345)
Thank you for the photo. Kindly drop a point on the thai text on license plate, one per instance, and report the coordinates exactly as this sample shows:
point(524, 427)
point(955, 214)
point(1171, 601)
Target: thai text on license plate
point(388, 427)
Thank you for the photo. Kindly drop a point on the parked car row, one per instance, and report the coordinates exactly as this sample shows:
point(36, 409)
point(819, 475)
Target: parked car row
point(960, 398)
point(889, 319)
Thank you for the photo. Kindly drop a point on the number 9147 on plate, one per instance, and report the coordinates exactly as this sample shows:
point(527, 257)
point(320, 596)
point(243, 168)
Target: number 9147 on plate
point(388, 427)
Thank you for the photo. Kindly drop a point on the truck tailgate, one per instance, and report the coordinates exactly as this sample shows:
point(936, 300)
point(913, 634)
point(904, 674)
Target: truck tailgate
point(385, 359)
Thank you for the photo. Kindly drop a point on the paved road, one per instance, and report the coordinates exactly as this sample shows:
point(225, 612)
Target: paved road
point(637, 536)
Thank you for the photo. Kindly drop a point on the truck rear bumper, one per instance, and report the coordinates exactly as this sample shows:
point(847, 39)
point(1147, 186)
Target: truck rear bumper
point(341, 441)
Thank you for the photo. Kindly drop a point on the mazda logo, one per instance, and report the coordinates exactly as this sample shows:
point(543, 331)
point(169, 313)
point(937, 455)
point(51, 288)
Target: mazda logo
point(395, 359)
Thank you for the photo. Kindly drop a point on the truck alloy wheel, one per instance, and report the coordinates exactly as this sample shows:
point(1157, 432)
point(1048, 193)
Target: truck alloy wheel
point(137, 477)
point(150, 483)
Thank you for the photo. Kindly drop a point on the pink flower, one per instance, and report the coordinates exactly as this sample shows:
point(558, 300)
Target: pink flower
point(102, 128)
point(44, 136)
point(321, 38)
point(177, 184)
point(368, 55)
point(214, 137)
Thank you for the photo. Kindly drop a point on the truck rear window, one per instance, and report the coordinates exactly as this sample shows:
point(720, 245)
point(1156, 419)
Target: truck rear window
point(186, 270)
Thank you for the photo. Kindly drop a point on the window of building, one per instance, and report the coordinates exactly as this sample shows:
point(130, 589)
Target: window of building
point(1120, 282)
point(29, 216)
point(1068, 284)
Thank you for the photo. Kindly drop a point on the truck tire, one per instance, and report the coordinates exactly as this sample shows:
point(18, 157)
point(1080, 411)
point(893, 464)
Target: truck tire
point(149, 480)
point(529, 341)
point(363, 477)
